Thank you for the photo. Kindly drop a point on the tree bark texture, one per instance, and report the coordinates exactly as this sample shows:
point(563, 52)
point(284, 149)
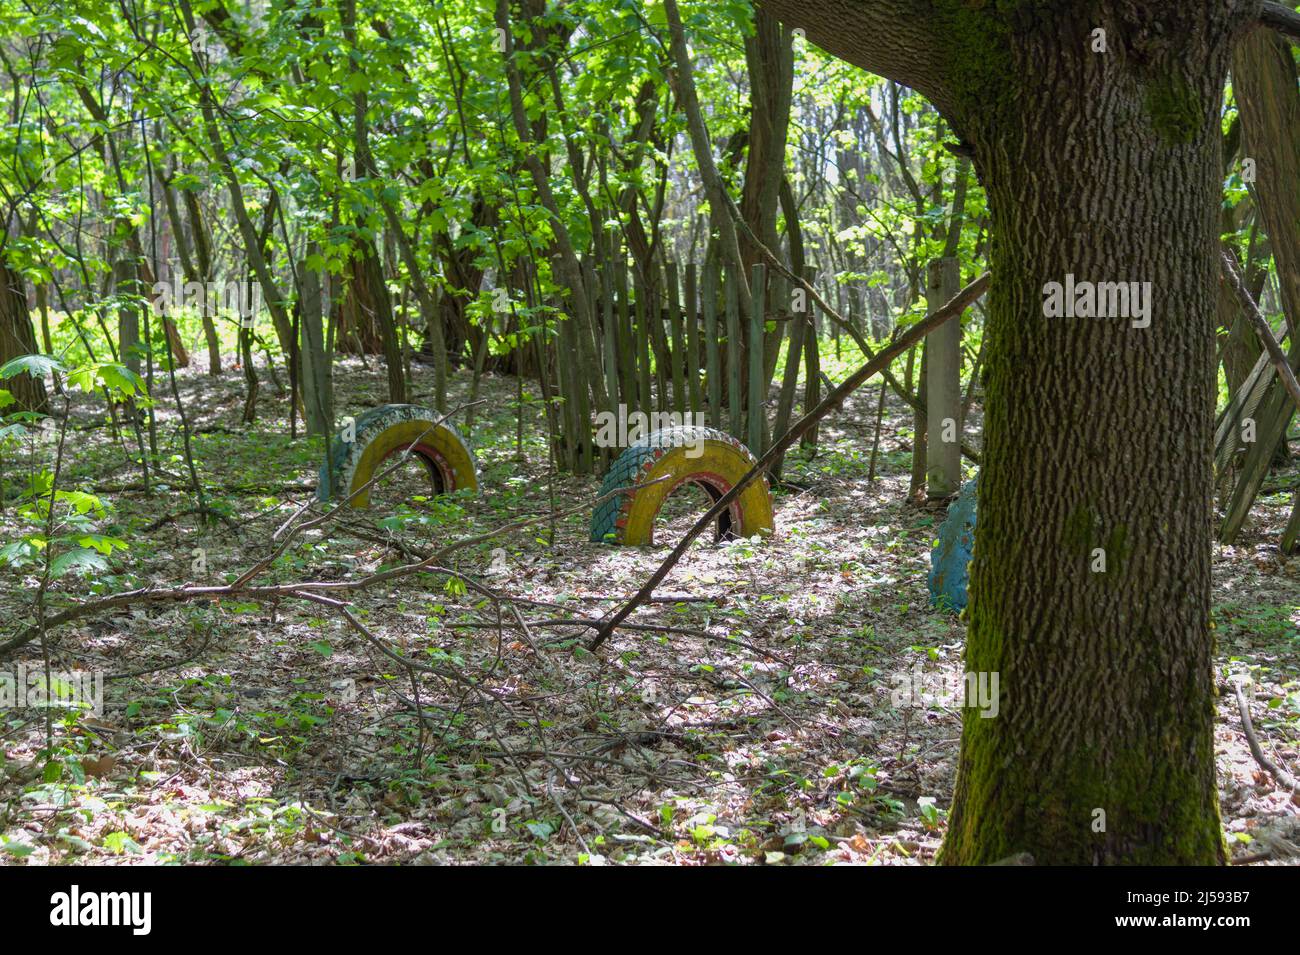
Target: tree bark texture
point(1105, 166)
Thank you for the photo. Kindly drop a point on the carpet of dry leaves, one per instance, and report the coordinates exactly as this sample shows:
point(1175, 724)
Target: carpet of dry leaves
point(748, 720)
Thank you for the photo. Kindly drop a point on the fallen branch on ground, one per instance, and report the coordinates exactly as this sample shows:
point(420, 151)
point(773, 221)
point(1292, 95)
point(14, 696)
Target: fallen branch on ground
point(1285, 779)
point(241, 588)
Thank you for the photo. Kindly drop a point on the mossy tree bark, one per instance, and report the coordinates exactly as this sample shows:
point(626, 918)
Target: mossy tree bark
point(1098, 434)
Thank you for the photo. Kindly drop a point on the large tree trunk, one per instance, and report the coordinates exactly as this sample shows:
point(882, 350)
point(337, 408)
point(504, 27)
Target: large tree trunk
point(1097, 439)
point(1104, 166)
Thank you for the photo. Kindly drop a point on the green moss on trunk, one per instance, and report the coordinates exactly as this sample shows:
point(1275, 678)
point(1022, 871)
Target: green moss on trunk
point(1175, 109)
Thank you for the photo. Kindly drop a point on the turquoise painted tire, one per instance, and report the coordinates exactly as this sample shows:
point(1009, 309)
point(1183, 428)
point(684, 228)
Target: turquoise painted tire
point(388, 430)
point(950, 559)
point(721, 462)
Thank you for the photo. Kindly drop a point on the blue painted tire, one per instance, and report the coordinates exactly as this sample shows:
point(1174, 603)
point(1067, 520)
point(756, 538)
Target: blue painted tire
point(950, 559)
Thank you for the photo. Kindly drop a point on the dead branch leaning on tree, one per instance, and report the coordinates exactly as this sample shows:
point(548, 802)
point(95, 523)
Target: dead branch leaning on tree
point(1233, 276)
point(949, 311)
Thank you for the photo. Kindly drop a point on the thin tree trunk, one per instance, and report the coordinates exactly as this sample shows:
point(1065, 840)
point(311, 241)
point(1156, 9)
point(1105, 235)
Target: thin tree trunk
point(569, 269)
point(192, 270)
point(317, 387)
point(17, 338)
point(1264, 81)
point(428, 307)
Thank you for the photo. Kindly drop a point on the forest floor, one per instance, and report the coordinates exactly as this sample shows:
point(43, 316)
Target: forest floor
point(759, 729)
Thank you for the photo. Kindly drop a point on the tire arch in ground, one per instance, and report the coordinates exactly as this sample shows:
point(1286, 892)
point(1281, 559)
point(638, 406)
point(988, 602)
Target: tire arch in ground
point(721, 463)
point(950, 558)
point(388, 430)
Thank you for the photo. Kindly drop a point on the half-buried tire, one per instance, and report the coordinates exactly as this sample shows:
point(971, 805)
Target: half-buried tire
point(387, 431)
point(951, 556)
point(720, 463)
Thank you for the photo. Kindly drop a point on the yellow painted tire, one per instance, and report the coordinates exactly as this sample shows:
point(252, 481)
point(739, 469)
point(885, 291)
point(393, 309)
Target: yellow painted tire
point(720, 463)
point(389, 430)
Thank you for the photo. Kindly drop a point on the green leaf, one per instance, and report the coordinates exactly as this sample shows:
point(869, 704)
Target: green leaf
point(82, 502)
point(81, 560)
point(13, 431)
point(38, 366)
point(82, 378)
point(16, 848)
point(540, 830)
point(120, 379)
point(18, 553)
point(120, 843)
point(102, 543)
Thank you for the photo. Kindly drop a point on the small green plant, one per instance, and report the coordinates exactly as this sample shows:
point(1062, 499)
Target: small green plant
point(61, 533)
